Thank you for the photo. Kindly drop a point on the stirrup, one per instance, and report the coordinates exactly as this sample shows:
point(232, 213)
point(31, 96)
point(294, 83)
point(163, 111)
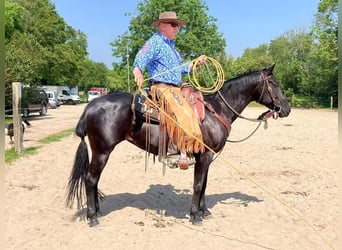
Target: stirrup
point(172, 161)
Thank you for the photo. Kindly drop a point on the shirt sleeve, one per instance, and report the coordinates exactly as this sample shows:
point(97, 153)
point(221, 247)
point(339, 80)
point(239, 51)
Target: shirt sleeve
point(186, 68)
point(144, 55)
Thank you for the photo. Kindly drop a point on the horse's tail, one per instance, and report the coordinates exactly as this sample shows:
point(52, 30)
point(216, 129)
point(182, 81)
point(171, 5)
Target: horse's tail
point(81, 130)
point(76, 185)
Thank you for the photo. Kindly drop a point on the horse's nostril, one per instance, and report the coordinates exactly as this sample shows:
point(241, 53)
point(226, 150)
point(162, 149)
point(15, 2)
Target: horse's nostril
point(277, 108)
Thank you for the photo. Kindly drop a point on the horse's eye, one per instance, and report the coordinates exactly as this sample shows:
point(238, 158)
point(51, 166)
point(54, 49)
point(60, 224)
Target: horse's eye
point(274, 83)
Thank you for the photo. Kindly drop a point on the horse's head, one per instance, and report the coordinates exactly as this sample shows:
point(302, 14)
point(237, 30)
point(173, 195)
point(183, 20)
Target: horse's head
point(270, 94)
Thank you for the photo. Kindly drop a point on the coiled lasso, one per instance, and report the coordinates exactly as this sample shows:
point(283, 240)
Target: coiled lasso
point(213, 70)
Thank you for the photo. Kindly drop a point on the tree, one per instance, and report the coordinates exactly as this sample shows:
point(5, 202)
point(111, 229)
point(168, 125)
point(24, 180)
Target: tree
point(196, 38)
point(21, 58)
point(325, 32)
point(93, 75)
point(40, 47)
point(21, 47)
point(14, 20)
point(291, 52)
point(252, 59)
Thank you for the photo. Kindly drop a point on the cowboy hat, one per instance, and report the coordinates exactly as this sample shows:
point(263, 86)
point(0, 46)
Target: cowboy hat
point(167, 16)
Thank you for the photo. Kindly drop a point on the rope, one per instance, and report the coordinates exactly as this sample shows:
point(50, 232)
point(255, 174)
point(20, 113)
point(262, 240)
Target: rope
point(216, 87)
point(211, 65)
point(247, 137)
point(196, 71)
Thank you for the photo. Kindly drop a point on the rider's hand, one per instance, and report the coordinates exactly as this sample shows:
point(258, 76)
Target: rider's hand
point(138, 76)
point(202, 59)
point(199, 61)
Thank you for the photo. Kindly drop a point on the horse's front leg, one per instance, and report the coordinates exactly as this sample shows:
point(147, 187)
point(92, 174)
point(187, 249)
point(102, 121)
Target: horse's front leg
point(198, 207)
point(203, 207)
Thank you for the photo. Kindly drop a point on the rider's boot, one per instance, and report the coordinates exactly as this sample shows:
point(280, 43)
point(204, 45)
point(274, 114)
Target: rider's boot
point(183, 161)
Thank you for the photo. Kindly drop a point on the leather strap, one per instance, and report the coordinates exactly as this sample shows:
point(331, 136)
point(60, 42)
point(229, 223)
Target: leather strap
point(226, 123)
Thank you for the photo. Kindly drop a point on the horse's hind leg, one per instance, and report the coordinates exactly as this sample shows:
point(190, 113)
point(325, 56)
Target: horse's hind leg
point(96, 166)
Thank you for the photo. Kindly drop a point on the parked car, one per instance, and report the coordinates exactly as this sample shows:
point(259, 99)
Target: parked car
point(93, 94)
point(53, 100)
point(33, 100)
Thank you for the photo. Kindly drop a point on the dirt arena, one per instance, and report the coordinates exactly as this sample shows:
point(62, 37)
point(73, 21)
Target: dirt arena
point(295, 158)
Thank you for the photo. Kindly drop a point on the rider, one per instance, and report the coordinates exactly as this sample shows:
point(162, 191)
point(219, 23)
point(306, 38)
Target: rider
point(166, 68)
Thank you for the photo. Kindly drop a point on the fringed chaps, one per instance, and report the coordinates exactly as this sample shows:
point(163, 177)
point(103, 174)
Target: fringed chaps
point(183, 133)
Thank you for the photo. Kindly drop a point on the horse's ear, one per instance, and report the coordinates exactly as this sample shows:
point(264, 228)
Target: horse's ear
point(269, 70)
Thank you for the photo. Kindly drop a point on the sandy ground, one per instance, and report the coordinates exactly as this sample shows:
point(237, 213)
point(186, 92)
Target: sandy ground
point(295, 159)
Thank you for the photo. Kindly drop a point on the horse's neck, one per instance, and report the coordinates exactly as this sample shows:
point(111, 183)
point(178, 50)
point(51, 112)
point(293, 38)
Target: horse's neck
point(235, 95)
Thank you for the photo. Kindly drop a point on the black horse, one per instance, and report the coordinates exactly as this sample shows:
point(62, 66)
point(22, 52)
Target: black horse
point(109, 120)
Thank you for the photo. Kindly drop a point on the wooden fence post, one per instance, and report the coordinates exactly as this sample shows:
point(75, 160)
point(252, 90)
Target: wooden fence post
point(17, 126)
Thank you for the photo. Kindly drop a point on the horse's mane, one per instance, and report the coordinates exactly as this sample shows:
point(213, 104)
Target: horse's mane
point(244, 76)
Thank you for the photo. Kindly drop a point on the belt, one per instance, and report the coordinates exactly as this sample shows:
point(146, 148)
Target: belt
point(164, 84)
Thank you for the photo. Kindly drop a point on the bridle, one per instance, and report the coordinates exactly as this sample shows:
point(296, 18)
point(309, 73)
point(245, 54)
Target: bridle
point(265, 115)
point(266, 85)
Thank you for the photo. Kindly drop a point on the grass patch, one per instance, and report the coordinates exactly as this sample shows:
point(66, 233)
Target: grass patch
point(57, 137)
point(8, 120)
point(11, 155)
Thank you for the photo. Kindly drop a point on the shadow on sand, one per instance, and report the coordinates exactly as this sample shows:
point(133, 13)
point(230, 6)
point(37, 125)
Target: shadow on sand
point(175, 202)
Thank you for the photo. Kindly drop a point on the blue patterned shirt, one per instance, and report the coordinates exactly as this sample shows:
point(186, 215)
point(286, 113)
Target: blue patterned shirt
point(163, 62)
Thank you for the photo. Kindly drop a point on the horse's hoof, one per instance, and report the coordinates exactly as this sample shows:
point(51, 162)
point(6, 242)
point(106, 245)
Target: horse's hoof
point(93, 222)
point(206, 214)
point(207, 217)
point(196, 221)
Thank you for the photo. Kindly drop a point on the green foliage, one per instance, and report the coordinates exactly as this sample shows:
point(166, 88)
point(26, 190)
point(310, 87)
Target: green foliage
point(14, 20)
point(21, 59)
point(118, 78)
point(325, 56)
point(308, 102)
point(253, 59)
point(41, 48)
point(291, 52)
point(93, 75)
